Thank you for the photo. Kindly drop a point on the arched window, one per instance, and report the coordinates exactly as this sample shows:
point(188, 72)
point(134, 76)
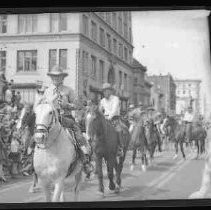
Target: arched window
point(111, 75)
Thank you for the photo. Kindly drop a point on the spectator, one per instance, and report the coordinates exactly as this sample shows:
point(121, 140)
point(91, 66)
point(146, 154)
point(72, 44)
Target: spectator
point(8, 94)
point(4, 81)
point(13, 99)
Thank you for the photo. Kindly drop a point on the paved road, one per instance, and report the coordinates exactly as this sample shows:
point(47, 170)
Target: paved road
point(165, 179)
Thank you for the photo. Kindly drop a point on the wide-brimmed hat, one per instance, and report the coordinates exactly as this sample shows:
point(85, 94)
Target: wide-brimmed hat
point(150, 108)
point(57, 71)
point(131, 106)
point(140, 104)
point(107, 86)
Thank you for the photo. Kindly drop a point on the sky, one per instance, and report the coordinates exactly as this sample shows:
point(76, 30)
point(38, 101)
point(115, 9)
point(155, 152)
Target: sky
point(173, 41)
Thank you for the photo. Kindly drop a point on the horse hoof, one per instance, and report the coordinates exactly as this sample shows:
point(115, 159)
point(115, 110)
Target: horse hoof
point(101, 194)
point(175, 157)
point(197, 194)
point(132, 167)
point(143, 168)
point(117, 190)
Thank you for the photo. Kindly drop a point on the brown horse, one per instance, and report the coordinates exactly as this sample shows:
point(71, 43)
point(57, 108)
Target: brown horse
point(138, 142)
point(151, 137)
point(104, 140)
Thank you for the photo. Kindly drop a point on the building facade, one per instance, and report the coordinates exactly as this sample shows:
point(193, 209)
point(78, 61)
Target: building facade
point(167, 87)
point(141, 88)
point(157, 99)
point(92, 48)
point(188, 93)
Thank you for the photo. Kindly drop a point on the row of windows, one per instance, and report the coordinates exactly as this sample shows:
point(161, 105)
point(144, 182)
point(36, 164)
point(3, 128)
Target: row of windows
point(27, 60)
point(105, 40)
point(115, 20)
point(29, 23)
point(101, 64)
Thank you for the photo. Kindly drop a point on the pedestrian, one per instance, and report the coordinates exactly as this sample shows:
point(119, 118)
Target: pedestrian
point(188, 119)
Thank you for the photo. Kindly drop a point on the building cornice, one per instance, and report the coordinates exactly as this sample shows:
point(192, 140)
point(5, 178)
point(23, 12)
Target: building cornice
point(187, 80)
point(114, 31)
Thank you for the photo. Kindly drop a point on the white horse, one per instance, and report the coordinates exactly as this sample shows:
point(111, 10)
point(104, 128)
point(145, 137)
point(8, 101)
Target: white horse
point(54, 154)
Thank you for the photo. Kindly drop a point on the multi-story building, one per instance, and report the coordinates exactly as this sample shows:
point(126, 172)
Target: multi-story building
point(188, 93)
point(92, 48)
point(168, 88)
point(139, 83)
point(157, 98)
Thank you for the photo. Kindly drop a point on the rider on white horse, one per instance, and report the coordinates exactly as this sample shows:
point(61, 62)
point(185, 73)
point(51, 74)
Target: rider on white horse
point(188, 119)
point(64, 100)
point(110, 106)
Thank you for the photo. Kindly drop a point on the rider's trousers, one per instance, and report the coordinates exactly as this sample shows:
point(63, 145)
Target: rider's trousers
point(71, 124)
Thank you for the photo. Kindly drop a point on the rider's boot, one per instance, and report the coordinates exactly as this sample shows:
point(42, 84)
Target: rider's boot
point(86, 158)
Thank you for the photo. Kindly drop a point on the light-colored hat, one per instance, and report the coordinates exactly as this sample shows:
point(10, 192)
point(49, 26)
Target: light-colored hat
point(131, 106)
point(107, 86)
point(57, 71)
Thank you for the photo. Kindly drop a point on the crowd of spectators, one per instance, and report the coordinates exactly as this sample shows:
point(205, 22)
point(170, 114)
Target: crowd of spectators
point(11, 151)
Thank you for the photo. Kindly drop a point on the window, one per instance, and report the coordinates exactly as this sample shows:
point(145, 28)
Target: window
point(85, 25)
point(120, 79)
point(63, 58)
point(94, 31)
point(114, 20)
point(102, 37)
point(125, 54)
point(101, 71)
point(3, 24)
point(125, 31)
point(27, 61)
point(2, 61)
point(120, 24)
point(94, 70)
point(125, 81)
point(109, 42)
point(27, 23)
point(115, 46)
point(130, 56)
point(130, 35)
point(58, 22)
point(120, 50)
point(85, 61)
point(135, 81)
point(108, 17)
point(58, 57)
point(62, 22)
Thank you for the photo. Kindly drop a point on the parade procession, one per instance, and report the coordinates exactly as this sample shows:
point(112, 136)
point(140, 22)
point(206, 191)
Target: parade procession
point(82, 119)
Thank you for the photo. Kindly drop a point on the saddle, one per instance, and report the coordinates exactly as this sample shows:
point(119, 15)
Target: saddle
point(78, 152)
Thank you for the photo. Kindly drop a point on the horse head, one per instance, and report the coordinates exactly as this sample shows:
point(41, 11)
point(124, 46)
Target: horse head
point(47, 120)
point(94, 121)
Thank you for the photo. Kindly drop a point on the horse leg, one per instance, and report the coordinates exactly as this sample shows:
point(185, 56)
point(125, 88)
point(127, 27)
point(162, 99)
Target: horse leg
point(35, 182)
point(182, 150)
point(99, 170)
point(133, 159)
point(78, 178)
point(143, 160)
point(197, 146)
point(46, 189)
point(59, 187)
point(176, 149)
point(110, 166)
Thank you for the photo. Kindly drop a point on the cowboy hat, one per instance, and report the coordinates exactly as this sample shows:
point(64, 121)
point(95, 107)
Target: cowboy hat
point(107, 86)
point(150, 108)
point(140, 104)
point(57, 71)
point(131, 106)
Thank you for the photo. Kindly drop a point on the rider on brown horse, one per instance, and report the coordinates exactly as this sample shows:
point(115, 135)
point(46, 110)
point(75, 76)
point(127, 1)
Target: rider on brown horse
point(110, 106)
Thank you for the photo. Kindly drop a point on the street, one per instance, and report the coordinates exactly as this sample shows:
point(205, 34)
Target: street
point(165, 179)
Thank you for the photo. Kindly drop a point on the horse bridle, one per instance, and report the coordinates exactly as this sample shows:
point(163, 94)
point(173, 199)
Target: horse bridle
point(46, 129)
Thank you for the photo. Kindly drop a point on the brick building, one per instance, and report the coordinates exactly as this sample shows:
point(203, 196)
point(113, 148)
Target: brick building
point(187, 91)
point(93, 48)
point(167, 87)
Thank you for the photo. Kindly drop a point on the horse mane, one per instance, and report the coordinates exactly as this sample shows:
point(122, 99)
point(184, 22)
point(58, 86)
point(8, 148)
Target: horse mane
point(99, 126)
